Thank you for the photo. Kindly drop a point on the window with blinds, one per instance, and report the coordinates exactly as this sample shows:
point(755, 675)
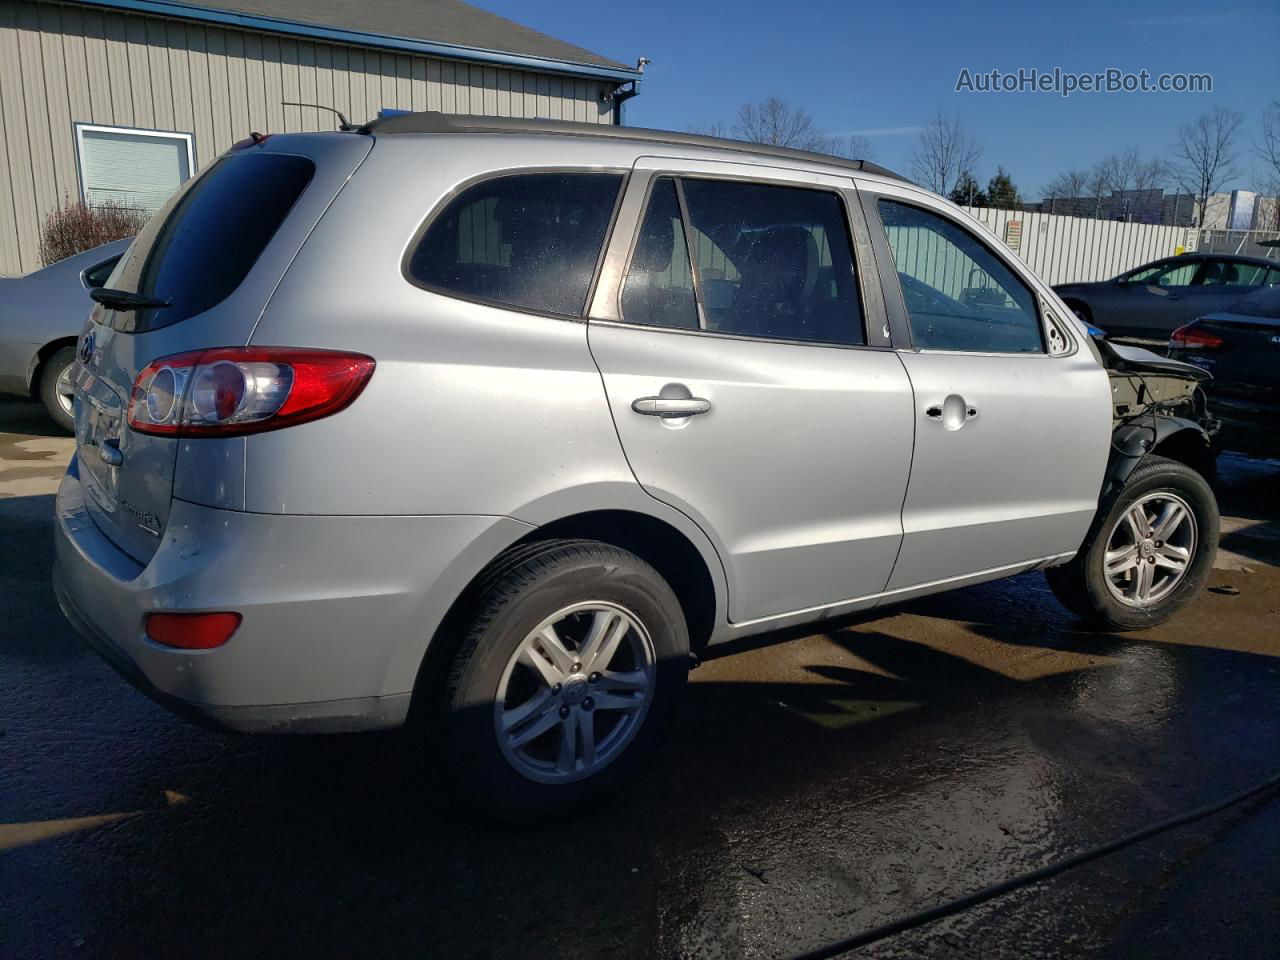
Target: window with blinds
point(132, 168)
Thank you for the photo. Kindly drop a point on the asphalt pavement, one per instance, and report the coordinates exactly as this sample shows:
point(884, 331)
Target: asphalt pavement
point(813, 786)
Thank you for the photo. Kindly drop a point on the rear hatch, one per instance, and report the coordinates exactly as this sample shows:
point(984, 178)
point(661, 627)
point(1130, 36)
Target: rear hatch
point(216, 251)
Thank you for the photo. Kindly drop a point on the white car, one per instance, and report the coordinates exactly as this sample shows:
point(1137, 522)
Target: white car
point(41, 314)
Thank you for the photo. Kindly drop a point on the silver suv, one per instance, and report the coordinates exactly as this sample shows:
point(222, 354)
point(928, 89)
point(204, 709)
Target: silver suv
point(495, 424)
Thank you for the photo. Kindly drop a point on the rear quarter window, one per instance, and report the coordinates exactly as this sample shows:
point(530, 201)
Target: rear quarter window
point(529, 241)
point(201, 245)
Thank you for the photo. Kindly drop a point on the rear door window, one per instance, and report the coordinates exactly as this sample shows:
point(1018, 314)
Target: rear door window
point(529, 241)
point(1229, 273)
point(201, 245)
point(773, 261)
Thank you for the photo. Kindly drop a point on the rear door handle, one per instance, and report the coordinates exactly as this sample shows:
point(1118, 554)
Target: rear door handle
point(670, 407)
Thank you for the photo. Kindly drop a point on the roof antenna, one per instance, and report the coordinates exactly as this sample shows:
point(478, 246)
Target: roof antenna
point(343, 123)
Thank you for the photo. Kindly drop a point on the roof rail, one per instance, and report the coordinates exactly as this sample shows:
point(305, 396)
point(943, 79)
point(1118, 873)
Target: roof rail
point(433, 122)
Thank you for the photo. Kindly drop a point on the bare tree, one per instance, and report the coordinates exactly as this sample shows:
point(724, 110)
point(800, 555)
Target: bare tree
point(1126, 174)
point(716, 129)
point(1268, 149)
point(1097, 188)
point(1205, 152)
point(778, 123)
point(1117, 171)
point(943, 151)
point(1068, 185)
point(1152, 174)
point(852, 145)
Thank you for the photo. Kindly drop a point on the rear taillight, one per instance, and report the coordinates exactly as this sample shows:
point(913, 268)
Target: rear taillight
point(236, 390)
point(1192, 337)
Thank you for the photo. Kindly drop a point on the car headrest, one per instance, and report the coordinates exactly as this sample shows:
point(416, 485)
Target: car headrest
point(785, 256)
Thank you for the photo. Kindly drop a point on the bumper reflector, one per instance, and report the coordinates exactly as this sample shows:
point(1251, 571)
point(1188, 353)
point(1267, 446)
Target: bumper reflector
point(192, 631)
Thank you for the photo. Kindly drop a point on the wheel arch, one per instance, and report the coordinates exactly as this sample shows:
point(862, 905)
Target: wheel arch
point(1174, 438)
point(36, 368)
point(692, 569)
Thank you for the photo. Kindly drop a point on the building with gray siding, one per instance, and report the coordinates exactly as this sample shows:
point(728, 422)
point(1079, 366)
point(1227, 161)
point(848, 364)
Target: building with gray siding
point(121, 100)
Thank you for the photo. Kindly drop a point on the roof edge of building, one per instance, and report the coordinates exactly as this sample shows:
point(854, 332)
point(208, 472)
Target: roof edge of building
point(438, 48)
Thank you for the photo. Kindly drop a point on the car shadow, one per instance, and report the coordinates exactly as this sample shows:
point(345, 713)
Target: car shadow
point(867, 786)
point(303, 846)
point(27, 418)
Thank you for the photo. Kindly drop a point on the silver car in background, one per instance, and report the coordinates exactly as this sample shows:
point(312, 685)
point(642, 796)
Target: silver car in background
point(491, 426)
point(41, 315)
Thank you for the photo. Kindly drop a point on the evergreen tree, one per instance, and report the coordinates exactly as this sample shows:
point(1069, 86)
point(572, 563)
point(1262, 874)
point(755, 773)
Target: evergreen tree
point(967, 193)
point(1001, 191)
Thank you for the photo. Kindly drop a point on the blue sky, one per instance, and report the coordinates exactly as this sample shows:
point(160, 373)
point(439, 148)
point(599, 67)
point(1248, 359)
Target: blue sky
point(884, 68)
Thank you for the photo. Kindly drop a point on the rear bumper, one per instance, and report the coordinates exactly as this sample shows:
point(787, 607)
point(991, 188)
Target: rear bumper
point(337, 611)
point(370, 713)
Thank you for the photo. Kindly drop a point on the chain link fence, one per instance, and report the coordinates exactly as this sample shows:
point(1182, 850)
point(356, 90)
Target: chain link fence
point(1249, 243)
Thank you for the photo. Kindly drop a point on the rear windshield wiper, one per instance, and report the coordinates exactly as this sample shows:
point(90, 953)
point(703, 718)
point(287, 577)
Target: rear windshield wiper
point(124, 300)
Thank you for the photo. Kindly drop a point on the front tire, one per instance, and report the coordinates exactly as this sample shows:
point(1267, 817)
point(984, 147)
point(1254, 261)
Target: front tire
point(55, 387)
point(1148, 555)
point(566, 680)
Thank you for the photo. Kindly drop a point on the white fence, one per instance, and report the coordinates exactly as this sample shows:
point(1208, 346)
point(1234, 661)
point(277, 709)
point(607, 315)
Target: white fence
point(1063, 249)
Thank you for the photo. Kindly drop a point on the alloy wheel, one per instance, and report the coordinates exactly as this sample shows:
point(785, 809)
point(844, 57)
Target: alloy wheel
point(575, 692)
point(1150, 549)
point(64, 390)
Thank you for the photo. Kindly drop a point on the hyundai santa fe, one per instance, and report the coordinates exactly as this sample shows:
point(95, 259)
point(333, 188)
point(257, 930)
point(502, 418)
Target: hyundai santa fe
point(489, 427)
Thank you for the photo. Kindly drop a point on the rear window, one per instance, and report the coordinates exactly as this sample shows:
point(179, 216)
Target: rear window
point(529, 241)
point(198, 249)
point(1264, 303)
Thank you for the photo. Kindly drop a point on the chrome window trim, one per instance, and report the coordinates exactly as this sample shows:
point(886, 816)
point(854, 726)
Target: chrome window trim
point(748, 338)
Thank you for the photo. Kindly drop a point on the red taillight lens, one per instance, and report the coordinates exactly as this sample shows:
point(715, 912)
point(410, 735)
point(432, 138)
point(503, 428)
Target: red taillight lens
point(1192, 337)
point(192, 631)
point(236, 390)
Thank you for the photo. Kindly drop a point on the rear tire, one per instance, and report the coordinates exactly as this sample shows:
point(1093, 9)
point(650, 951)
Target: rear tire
point(1126, 575)
point(52, 382)
point(566, 680)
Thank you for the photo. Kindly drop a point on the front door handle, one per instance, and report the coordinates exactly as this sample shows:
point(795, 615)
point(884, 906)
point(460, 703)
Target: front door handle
point(953, 412)
point(670, 407)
